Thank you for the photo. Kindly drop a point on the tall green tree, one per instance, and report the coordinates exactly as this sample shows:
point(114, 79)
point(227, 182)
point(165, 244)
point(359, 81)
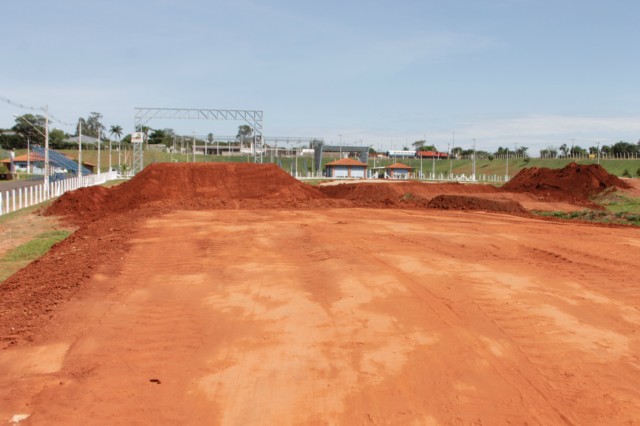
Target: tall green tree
point(116, 131)
point(162, 136)
point(30, 126)
point(622, 148)
point(244, 133)
point(92, 125)
point(421, 145)
point(549, 152)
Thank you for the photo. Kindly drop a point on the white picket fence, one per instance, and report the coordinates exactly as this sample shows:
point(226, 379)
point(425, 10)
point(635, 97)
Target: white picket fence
point(20, 198)
point(439, 177)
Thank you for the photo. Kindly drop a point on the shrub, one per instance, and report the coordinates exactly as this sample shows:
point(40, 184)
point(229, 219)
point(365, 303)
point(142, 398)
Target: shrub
point(407, 196)
point(626, 173)
point(638, 172)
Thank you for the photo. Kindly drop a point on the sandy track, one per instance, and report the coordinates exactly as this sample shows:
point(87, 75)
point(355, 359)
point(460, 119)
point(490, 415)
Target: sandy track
point(346, 316)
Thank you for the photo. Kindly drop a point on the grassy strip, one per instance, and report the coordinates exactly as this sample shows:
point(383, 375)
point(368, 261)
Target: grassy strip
point(21, 256)
point(8, 217)
point(497, 166)
point(622, 218)
point(617, 203)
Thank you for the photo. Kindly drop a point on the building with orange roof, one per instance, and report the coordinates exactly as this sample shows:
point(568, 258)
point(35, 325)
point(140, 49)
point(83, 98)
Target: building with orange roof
point(346, 168)
point(34, 163)
point(398, 171)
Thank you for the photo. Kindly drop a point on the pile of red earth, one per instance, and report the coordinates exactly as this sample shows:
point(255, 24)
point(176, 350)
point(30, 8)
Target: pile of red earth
point(573, 183)
point(189, 185)
point(399, 193)
point(464, 202)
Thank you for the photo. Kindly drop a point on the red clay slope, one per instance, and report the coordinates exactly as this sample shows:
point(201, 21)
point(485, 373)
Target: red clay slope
point(571, 183)
point(186, 185)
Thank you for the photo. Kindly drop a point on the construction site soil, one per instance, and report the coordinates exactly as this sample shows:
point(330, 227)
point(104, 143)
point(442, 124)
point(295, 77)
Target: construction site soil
point(573, 183)
point(235, 294)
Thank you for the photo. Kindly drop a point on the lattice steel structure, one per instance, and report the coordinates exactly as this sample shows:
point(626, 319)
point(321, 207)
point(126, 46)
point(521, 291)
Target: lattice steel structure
point(253, 118)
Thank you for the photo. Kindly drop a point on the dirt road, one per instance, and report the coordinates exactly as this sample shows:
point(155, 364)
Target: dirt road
point(344, 316)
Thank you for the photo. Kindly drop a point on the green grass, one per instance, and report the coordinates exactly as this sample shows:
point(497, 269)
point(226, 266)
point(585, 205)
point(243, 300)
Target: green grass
point(20, 256)
point(617, 203)
point(483, 166)
point(598, 216)
point(7, 217)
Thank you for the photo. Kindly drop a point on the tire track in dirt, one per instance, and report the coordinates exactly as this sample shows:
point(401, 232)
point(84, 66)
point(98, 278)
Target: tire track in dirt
point(515, 315)
point(346, 316)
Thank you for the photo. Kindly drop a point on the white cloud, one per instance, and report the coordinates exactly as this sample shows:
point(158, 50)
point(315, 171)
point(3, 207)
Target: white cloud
point(533, 131)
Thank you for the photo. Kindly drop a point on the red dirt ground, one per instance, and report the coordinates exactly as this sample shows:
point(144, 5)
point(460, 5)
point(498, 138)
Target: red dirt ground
point(254, 301)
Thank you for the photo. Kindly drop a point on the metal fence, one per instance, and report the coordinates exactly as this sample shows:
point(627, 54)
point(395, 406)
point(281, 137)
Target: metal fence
point(20, 198)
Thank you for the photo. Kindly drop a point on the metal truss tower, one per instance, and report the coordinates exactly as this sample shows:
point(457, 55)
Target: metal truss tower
point(138, 158)
point(253, 118)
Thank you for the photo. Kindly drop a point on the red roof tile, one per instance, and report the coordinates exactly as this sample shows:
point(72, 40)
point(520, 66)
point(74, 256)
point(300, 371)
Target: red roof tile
point(347, 162)
point(399, 166)
point(20, 158)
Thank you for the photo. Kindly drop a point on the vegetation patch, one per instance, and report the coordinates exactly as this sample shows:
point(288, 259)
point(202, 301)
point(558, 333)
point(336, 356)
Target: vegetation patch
point(22, 255)
point(407, 196)
point(596, 216)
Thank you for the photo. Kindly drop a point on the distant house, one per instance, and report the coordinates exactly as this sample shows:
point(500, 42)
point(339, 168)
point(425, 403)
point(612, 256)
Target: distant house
point(398, 171)
point(346, 168)
point(34, 164)
point(33, 161)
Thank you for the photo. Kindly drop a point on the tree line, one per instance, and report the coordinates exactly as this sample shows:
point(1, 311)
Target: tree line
point(618, 149)
point(30, 129)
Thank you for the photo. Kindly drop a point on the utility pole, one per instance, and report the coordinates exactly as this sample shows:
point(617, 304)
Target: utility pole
point(46, 148)
point(506, 173)
point(99, 135)
point(474, 159)
point(453, 146)
point(433, 166)
point(80, 149)
point(28, 153)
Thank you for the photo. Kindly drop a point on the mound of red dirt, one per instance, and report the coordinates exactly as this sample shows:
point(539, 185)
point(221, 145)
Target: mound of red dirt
point(464, 202)
point(573, 182)
point(188, 185)
point(391, 193)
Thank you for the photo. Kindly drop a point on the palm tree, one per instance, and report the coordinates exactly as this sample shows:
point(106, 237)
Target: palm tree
point(115, 130)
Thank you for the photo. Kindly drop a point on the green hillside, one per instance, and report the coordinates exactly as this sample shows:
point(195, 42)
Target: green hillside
point(484, 166)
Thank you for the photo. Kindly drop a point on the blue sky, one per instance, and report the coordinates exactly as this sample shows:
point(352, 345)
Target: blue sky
point(535, 73)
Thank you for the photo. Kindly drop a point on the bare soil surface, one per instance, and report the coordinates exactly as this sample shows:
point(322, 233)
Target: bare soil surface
point(343, 316)
point(242, 307)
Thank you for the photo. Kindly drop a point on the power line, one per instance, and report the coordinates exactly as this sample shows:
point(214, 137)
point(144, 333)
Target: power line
point(43, 109)
point(19, 105)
